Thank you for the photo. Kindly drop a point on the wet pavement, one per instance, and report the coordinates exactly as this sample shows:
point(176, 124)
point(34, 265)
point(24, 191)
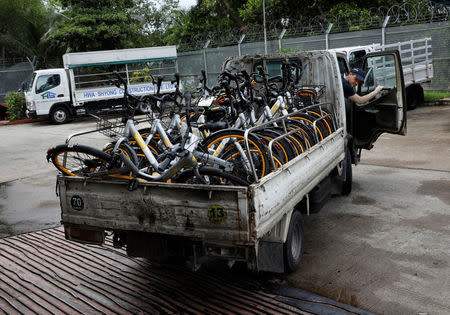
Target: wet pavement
point(28, 201)
point(28, 204)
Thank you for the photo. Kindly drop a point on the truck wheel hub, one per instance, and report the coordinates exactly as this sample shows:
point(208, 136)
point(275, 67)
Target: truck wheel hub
point(59, 115)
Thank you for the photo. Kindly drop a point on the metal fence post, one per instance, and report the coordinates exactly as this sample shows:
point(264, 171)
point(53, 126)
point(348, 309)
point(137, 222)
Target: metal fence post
point(426, 57)
point(265, 31)
point(383, 30)
point(239, 44)
point(326, 35)
point(204, 55)
point(280, 38)
point(412, 61)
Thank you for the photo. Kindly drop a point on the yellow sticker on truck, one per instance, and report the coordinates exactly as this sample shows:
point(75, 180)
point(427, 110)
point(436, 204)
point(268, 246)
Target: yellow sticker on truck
point(217, 214)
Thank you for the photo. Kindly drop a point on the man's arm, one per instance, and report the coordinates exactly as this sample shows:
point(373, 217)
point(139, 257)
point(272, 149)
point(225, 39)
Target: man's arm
point(364, 99)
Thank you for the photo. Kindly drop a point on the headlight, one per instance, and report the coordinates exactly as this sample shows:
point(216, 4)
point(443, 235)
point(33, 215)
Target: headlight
point(30, 106)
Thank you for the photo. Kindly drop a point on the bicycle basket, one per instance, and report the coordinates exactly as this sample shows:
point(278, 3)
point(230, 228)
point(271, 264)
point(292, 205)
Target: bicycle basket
point(110, 123)
point(309, 94)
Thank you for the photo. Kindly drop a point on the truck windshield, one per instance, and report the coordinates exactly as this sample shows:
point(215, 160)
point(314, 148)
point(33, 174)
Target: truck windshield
point(46, 82)
point(274, 67)
point(29, 83)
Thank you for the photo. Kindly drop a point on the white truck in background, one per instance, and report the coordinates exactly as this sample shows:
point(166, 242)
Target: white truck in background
point(417, 64)
point(260, 225)
point(86, 81)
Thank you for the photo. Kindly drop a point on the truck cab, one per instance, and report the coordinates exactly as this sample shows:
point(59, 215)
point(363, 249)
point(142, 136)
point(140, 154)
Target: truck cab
point(47, 94)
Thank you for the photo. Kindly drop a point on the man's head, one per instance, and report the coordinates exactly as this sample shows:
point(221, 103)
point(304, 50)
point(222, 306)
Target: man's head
point(356, 76)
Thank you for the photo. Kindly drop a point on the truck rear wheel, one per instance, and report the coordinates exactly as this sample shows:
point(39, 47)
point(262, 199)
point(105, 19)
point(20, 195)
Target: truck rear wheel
point(414, 96)
point(293, 247)
point(347, 174)
point(59, 115)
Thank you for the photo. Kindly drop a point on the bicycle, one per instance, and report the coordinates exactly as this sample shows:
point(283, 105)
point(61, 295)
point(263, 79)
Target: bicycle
point(93, 162)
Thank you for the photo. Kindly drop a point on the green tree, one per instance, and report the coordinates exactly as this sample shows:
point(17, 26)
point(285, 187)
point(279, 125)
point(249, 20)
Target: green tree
point(208, 16)
point(24, 29)
point(97, 25)
point(156, 17)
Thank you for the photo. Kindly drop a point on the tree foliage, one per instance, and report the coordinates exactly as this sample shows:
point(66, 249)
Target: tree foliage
point(25, 27)
point(96, 25)
point(155, 18)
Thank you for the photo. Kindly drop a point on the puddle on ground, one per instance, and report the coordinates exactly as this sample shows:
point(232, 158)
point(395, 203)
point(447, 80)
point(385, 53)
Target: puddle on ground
point(363, 200)
point(28, 205)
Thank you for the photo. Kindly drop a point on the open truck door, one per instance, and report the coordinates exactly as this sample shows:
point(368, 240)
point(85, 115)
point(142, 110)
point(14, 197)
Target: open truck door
point(387, 111)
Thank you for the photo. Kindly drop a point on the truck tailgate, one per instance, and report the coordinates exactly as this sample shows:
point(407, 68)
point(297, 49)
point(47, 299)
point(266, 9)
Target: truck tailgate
point(197, 211)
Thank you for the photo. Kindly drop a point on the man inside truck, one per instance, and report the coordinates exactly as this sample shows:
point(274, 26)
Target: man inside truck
point(353, 78)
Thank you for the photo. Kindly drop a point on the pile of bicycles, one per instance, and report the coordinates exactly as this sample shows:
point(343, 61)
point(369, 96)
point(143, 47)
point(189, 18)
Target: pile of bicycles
point(250, 126)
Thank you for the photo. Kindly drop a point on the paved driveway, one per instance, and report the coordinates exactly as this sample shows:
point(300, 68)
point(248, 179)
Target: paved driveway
point(386, 247)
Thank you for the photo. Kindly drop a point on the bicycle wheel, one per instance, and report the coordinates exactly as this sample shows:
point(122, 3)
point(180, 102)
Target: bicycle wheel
point(305, 133)
point(193, 117)
point(78, 160)
point(282, 148)
point(230, 152)
point(327, 122)
point(210, 176)
point(308, 119)
point(127, 150)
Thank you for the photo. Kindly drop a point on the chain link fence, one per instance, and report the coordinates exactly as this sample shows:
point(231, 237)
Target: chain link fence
point(363, 19)
point(12, 73)
point(210, 58)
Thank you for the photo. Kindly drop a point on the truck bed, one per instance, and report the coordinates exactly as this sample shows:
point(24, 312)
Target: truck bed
point(217, 214)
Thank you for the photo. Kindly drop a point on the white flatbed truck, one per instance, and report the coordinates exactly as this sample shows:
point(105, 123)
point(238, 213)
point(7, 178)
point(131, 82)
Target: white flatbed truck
point(85, 84)
point(260, 225)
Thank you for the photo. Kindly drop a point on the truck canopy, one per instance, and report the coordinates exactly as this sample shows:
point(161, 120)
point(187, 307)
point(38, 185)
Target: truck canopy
point(120, 56)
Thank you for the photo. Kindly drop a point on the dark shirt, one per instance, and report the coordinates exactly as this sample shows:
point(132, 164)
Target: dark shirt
point(348, 90)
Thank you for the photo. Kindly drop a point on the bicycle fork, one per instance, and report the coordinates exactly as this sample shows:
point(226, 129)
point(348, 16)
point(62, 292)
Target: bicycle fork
point(243, 155)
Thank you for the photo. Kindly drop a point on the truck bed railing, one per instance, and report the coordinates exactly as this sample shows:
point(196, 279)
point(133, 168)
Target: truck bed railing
point(414, 54)
point(282, 121)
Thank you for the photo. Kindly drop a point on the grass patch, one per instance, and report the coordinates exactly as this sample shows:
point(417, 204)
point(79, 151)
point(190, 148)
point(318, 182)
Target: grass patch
point(430, 96)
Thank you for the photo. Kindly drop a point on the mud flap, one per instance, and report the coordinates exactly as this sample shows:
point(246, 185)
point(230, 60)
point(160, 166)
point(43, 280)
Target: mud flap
point(270, 257)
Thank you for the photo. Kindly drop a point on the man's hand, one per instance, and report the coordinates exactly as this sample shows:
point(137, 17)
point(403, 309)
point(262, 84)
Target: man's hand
point(379, 88)
point(364, 99)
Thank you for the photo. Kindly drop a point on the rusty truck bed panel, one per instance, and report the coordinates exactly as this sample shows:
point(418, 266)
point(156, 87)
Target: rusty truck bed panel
point(219, 213)
point(42, 273)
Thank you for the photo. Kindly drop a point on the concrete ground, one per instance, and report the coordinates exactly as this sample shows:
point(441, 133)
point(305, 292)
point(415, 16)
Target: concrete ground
point(385, 248)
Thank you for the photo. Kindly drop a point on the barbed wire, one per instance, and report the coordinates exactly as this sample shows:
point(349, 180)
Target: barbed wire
point(404, 14)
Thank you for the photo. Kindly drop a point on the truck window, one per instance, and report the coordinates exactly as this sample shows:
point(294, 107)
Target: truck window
point(380, 70)
point(47, 82)
point(355, 58)
point(342, 66)
point(30, 82)
point(273, 68)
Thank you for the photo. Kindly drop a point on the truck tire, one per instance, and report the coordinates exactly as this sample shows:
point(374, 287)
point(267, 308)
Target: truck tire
point(144, 108)
point(347, 174)
point(293, 247)
point(59, 115)
point(414, 96)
